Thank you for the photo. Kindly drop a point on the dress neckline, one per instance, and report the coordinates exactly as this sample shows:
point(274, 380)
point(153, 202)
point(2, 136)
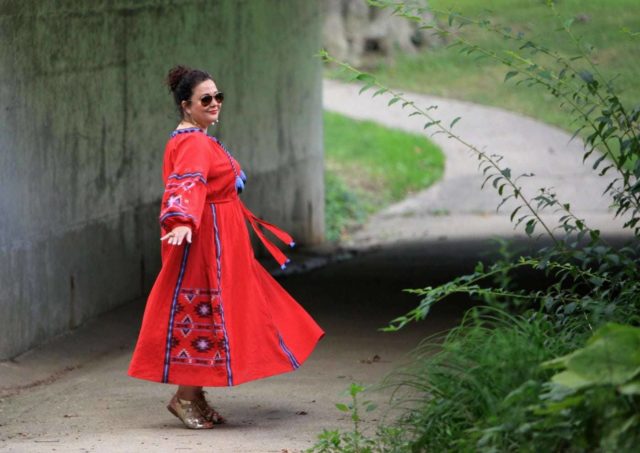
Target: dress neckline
point(185, 130)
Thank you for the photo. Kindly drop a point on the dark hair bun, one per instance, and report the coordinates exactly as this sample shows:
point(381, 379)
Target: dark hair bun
point(182, 80)
point(175, 76)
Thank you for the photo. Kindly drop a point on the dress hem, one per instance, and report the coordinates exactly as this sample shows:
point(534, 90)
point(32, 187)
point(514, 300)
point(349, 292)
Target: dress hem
point(159, 380)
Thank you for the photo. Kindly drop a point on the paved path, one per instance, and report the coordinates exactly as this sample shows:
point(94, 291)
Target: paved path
point(456, 207)
point(73, 394)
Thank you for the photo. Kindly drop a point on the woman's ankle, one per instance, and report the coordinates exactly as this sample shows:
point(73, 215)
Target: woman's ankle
point(188, 393)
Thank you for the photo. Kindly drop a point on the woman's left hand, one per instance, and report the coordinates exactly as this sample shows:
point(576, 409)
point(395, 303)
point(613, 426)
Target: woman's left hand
point(176, 235)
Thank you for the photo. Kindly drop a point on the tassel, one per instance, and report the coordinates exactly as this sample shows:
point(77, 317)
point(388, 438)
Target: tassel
point(239, 184)
point(243, 176)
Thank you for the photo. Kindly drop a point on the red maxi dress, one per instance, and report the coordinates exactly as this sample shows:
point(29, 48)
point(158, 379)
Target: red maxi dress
point(215, 316)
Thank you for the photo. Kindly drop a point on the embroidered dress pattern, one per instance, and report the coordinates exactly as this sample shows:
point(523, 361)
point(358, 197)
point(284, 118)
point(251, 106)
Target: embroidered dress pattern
point(170, 339)
point(220, 309)
point(198, 335)
point(200, 326)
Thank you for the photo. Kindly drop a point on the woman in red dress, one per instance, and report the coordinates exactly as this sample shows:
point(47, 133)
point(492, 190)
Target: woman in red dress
point(215, 316)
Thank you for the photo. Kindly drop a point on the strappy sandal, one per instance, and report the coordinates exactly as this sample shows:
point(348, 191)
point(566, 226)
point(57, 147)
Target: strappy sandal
point(208, 411)
point(189, 412)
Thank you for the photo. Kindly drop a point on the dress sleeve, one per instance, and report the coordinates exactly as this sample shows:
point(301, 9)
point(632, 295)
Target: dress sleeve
point(186, 186)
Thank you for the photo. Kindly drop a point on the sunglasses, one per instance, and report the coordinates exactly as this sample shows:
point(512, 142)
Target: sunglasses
point(207, 98)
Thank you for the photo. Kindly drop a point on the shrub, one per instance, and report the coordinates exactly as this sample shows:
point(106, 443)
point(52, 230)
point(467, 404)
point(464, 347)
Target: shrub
point(487, 388)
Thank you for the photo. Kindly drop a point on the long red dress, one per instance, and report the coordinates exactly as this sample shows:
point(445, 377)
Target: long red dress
point(215, 316)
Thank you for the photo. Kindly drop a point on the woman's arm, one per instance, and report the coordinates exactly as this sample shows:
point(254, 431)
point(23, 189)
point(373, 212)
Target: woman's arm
point(185, 190)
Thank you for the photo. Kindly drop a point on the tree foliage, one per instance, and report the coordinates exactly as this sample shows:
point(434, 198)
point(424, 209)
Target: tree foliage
point(494, 385)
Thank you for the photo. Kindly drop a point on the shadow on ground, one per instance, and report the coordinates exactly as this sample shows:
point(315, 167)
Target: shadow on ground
point(73, 393)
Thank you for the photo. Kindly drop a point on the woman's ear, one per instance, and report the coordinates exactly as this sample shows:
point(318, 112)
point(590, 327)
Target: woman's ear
point(184, 104)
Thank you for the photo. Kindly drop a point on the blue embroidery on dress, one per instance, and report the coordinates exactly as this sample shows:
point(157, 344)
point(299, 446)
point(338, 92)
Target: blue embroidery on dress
point(241, 178)
point(197, 175)
point(220, 305)
point(183, 265)
point(185, 130)
point(292, 359)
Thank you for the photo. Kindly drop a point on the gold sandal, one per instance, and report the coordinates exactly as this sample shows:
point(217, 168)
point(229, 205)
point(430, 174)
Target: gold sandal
point(208, 411)
point(189, 412)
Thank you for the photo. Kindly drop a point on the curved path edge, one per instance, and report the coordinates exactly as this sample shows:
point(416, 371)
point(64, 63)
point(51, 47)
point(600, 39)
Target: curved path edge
point(456, 207)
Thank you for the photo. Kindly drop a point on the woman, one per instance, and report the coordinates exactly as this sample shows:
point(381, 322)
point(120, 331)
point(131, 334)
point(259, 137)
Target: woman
point(215, 316)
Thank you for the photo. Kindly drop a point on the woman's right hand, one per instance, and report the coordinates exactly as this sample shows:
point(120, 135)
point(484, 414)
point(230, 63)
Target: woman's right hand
point(176, 235)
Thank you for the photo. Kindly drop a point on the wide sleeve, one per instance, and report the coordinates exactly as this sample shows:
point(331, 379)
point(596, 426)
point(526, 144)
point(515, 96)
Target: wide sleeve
point(186, 184)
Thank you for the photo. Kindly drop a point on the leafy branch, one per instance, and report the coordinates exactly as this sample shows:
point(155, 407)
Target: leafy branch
point(610, 121)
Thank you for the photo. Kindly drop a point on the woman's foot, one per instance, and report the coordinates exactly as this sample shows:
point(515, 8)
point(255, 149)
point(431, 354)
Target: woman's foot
point(207, 410)
point(189, 412)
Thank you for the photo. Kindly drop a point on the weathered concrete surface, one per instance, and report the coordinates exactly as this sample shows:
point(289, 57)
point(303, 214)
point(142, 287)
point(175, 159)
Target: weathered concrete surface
point(83, 123)
point(456, 208)
point(85, 401)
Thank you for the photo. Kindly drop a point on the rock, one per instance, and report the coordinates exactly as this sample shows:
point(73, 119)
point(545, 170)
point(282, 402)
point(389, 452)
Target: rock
point(353, 30)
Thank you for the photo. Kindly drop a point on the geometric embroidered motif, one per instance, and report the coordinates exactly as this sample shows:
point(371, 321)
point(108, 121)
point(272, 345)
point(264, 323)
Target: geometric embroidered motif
point(199, 329)
point(186, 325)
point(204, 309)
point(202, 344)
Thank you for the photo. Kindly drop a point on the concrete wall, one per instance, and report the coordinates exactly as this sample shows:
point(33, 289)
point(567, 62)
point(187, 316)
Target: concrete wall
point(83, 124)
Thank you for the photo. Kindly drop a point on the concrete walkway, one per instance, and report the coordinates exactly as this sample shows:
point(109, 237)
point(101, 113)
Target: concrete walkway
point(456, 208)
point(73, 395)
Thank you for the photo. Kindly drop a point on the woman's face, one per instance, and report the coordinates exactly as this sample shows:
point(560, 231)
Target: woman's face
point(203, 115)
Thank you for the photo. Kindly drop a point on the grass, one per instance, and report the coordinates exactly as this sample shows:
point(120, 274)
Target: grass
point(475, 388)
point(448, 73)
point(368, 166)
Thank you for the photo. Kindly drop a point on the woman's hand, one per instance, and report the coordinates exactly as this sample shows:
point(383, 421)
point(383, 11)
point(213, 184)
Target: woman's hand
point(176, 235)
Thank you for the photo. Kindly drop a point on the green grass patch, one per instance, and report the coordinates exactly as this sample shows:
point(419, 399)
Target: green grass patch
point(369, 166)
point(446, 72)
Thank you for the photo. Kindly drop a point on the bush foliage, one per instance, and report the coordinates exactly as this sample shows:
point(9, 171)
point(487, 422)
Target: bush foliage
point(555, 369)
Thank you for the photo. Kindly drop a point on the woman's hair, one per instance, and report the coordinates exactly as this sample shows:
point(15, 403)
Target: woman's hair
point(182, 80)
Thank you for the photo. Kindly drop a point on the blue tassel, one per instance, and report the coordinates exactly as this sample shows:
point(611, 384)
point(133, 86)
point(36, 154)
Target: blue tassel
point(283, 266)
point(239, 184)
point(291, 244)
point(243, 176)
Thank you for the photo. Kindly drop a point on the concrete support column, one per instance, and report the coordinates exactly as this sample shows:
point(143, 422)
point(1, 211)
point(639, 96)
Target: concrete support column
point(84, 120)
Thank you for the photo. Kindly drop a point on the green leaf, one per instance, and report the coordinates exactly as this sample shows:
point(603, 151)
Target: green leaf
point(570, 379)
point(431, 123)
point(545, 75)
point(510, 74)
point(513, 214)
point(393, 101)
point(611, 356)
point(586, 76)
point(367, 78)
point(530, 227)
point(365, 88)
point(380, 91)
point(632, 388)
point(342, 407)
point(559, 406)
